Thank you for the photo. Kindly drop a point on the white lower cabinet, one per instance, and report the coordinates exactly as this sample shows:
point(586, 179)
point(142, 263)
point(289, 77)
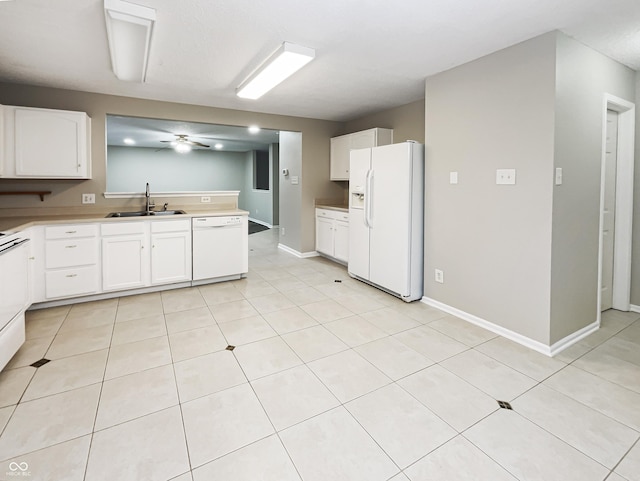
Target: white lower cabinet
point(71, 261)
point(170, 251)
point(125, 258)
point(332, 234)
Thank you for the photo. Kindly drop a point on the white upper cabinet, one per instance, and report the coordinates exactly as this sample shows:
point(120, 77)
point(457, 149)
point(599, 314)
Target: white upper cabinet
point(341, 147)
point(46, 144)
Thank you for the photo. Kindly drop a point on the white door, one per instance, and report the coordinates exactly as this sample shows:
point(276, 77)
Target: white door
point(390, 217)
point(358, 229)
point(609, 211)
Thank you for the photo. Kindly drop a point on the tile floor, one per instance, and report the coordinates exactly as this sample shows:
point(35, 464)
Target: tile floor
point(330, 379)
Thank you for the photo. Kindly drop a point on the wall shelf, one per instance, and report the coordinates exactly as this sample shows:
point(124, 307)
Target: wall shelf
point(39, 193)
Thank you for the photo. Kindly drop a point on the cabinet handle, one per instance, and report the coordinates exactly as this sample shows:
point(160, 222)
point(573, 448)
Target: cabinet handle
point(70, 247)
point(32, 258)
point(71, 232)
point(71, 275)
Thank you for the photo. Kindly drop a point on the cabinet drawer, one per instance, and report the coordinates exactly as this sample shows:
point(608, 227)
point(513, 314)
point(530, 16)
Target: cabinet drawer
point(71, 282)
point(342, 216)
point(117, 228)
point(71, 231)
point(71, 252)
point(170, 225)
point(324, 213)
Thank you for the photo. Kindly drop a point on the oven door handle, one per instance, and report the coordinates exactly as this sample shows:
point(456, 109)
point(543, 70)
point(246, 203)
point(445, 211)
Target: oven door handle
point(13, 246)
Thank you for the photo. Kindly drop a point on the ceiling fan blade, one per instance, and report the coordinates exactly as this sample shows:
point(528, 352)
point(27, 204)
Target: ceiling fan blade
point(193, 142)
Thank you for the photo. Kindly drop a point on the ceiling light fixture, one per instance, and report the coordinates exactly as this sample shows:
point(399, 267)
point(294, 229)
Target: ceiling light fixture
point(254, 129)
point(129, 30)
point(182, 148)
point(218, 146)
point(285, 61)
point(129, 141)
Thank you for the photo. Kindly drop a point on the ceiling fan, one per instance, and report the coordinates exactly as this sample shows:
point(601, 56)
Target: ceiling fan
point(182, 143)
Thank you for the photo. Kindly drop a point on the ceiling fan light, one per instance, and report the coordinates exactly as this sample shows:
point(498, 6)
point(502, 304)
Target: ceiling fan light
point(182, 148)
point(129, 30)
point(218, 146)
point(285, 61)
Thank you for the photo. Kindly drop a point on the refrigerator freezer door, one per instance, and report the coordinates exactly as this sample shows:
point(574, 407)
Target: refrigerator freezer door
point(390, 214)
point(358, 230)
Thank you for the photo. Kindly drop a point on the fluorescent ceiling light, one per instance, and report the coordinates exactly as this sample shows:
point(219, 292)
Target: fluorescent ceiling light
point(129, 30)
point(285, 61)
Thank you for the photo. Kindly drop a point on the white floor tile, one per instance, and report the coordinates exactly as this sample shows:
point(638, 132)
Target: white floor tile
point(305, 295)
point(431, 343)
point(354, 330)
point(348, 375)
point(45, 327)
point(138, 356)
point(31, 351)
point(271, 303)
point(67, 374)
point(87, 318)
point(138, 307)
point(219, 293)
point(5, 415)
point(393, 358)
point(390, 320)
point(70, 343)
point(150, 447)
point(359, 303)
point(527, 361)
point(326, 311)
point(630, 465)
point(289, 320)
point(314, 343)
point(462, 331)
point(595, 434)
point(529, 452)
point(230, 311)
point(47, 421)
point(460, 460)
point(265, 357)
point(220, 423)
point(157, 388)
point(207, 374)
point(138, 330)
point(189, 319)
point(264, 460)
point(65, 461)
point(398, 423)
point(456, 401)
point(488, 375)
point(292, 396)
point(333, 446)
point(176, 300)
point(599, 394)
point(196, 342)
point(13, 384)
point(244, 331)
point(616, 360)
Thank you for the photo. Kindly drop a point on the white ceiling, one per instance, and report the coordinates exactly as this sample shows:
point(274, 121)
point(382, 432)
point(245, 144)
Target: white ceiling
point(370, 54)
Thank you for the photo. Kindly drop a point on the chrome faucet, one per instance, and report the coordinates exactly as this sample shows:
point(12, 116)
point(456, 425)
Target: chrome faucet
point(149, 204)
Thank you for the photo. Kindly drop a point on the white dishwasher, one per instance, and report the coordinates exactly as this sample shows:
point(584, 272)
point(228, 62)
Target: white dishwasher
point(220, 247)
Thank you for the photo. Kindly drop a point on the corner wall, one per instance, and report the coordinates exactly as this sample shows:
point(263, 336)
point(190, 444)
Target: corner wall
point(583, 76)
point(635, 255)
point(493, 242)
point(407, 122)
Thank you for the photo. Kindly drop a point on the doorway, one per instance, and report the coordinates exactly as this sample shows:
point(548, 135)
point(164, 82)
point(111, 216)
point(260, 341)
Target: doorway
point(616, 204)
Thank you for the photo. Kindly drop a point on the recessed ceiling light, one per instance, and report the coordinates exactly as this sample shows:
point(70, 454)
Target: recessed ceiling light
point(218, 146)
point(129, 141)
point(254, 129)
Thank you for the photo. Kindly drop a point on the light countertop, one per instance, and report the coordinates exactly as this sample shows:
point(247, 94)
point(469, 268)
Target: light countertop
point(338, 207)
point(16, 224)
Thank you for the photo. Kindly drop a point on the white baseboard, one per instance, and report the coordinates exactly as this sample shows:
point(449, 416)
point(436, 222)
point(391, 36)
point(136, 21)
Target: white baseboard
point(512, 335)
point(261, 222)
point(301, 255)
point(634, 308)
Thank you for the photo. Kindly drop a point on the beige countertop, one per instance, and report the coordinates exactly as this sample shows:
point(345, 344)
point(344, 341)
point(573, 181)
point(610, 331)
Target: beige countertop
point(341, 208)
point(16, 224)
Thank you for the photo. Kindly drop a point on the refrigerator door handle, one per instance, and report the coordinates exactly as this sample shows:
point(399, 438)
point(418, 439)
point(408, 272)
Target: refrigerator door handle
point(369, 200)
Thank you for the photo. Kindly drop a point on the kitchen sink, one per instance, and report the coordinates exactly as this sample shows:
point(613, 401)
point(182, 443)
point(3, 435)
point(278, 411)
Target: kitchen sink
point(143, 213)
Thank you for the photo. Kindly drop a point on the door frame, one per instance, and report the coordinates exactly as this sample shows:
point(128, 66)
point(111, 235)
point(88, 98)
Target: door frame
point(621, 288)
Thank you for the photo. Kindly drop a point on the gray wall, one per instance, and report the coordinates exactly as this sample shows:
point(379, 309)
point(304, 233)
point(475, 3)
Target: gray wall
point(493, 242)
point(583, 76)
point(407, 122)
point(129, 168)
point(291, 194)
point(635, 256)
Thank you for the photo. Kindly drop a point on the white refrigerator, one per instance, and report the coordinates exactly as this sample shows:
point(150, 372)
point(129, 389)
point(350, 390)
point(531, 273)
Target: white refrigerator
point(386, 218)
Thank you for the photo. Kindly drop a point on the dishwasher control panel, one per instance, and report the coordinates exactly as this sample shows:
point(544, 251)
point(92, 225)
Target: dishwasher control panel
point(218, 221)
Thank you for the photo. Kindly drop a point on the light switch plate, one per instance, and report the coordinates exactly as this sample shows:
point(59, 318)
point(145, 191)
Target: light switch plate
point(453, 177)
point(506, 176)
point(558, 175)
point(294, 180)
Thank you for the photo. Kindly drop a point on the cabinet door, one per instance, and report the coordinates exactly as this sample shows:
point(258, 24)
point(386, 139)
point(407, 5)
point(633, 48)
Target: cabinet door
point(363, 140)
point(324, 235)
point(125, 262)
point(50, 143)
point(341, 240)
point(340, 148)
point(170, 257)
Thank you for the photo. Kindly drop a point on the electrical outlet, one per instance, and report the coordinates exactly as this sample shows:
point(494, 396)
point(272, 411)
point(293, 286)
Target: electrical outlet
point(88, 198)
point(506, 176)
point(439, 276)
point(453, 177)
point(558, 175)
point(205, 199)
